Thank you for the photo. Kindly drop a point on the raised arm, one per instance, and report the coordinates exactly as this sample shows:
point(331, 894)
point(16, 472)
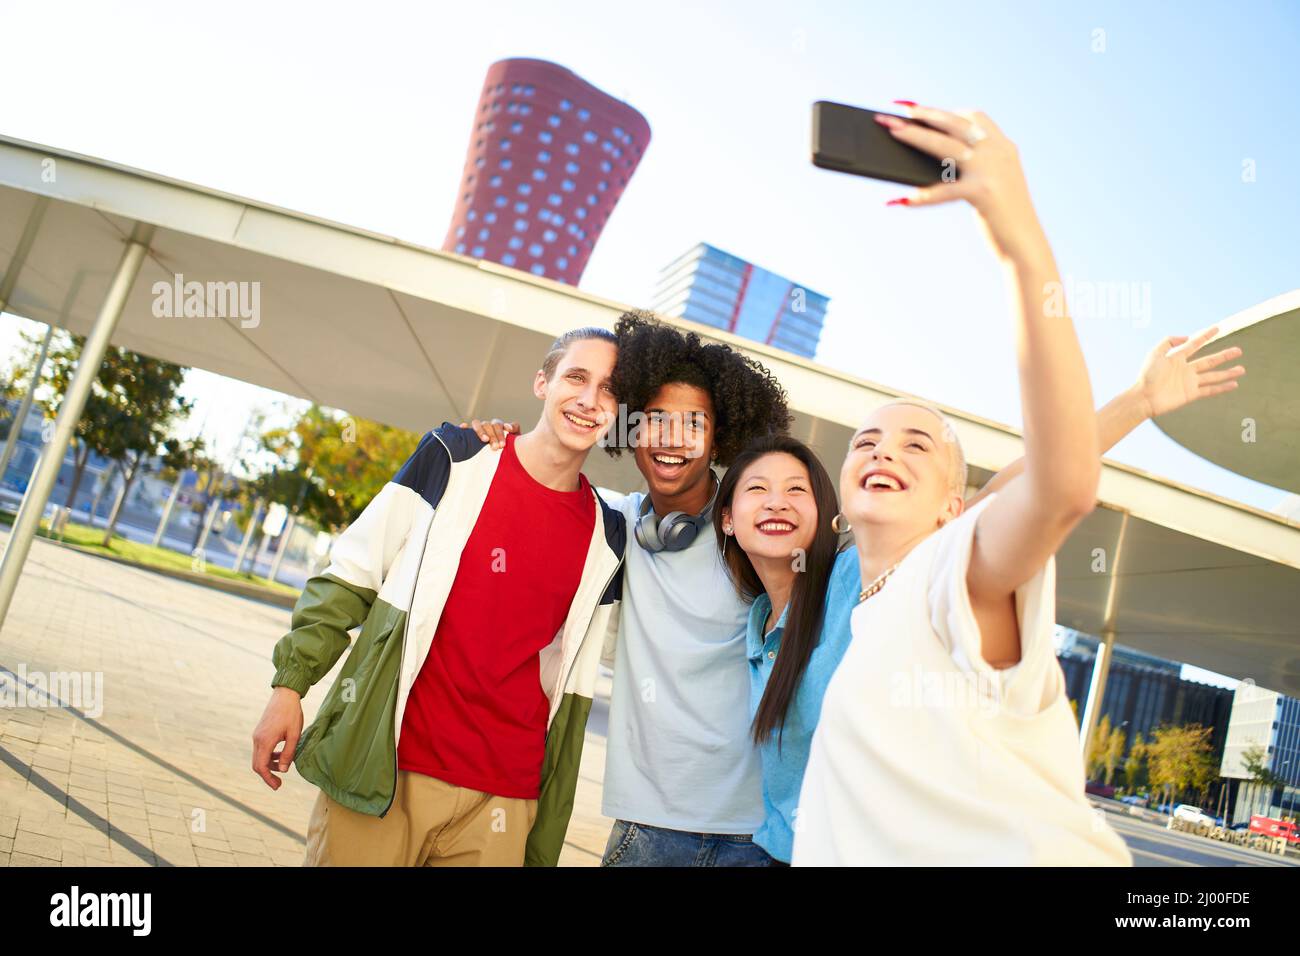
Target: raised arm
point(1031, 517)
point(1170, 378)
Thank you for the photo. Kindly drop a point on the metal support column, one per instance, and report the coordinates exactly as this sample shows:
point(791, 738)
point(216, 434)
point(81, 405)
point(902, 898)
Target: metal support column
point(47, 470)
point(1101, 666)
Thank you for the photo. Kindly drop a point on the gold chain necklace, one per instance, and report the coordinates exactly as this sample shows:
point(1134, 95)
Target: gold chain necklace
point(878, 583)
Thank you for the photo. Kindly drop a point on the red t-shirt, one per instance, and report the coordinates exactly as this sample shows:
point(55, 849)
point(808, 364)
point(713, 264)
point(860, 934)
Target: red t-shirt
point(476, 716)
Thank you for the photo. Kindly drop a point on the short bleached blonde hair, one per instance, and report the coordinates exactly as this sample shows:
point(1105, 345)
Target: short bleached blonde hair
point(957, 470)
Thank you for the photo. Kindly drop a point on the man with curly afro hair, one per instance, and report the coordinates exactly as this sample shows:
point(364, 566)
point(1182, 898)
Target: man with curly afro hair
point(682, 777)
point(746, 400)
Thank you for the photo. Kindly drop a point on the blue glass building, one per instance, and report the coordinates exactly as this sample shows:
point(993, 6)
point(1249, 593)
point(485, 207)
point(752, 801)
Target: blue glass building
point(715, 288)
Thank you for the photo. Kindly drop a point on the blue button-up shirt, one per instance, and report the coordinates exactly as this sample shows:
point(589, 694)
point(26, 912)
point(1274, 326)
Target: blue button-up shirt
point(783, 768)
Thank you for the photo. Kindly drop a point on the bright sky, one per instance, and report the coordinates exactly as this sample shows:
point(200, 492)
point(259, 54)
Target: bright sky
point(1133, 120)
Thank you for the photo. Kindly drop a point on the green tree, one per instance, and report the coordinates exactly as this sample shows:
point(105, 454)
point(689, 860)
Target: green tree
point(11, 390)
point(334, 463)
point(131, 406)
point(1106, 751)
point(1259, 775)
point(1179, 759)
point(1135, 765)
point(142, 395)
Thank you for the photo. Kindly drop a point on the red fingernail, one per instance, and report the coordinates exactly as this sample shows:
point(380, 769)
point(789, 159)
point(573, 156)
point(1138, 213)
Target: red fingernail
point(899, 202)
point(904, 102)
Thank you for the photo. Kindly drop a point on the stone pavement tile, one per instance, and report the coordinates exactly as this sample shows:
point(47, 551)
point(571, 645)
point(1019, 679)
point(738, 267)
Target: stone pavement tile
point(276, 842)
point(159, 812)
point(204, 841)
point(21, 754)
point(37, 844)
point(73, 854)
point(16, 731)
point(247, 845)
point(122, 803)
point(36, 802)
point(94, 783)
point(6, 844)
point(40, 821)
point(170, 810)
point(87, 794)
point(10, 776)
point(56, 828)
point(11, 791)
point(238, 832)
point(52, 766)
point(139, 829)
point(54, 746)
point(172, 813)
point(288, 857)
point(123, 797)
point(130, 806)
point(248, 859)
point(8, 826)
point(175, 850)
point(26, 859)
point(215, 859)
point(88, 798)
point(168, 826)
point(88, 814)
point(99, 826)
point(88, 819)
point(160, 782)
point(128, 782)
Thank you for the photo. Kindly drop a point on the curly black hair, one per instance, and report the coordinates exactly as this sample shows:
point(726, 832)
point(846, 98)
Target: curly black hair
point(747, 400)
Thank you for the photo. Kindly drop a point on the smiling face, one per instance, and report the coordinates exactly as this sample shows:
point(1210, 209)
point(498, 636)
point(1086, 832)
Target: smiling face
point(902, 469)
point(773, 511)
point(579, 399)
point(675, 442)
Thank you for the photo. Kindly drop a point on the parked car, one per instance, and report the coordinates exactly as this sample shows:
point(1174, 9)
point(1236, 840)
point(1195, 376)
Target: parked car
point(1134, 800)
point(1185, 811)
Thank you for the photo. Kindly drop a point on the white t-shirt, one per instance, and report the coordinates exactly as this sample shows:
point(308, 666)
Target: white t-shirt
point(679, 754)
point(926, 755)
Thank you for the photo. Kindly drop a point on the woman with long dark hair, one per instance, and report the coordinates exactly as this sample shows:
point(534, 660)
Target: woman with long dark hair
point(773, 522)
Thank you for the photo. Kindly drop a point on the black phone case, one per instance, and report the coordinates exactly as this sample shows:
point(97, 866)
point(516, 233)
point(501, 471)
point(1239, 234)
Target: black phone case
point(848, 140)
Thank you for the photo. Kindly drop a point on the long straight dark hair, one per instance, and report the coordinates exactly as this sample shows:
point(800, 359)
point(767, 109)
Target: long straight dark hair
point(807, 598)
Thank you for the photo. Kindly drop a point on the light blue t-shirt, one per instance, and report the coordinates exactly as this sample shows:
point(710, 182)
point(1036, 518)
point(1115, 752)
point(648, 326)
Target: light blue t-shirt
point(783, 768)
point(679, 752)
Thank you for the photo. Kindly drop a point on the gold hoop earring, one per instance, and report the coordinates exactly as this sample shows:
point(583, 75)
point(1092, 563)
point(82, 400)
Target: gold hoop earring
point(840, 524)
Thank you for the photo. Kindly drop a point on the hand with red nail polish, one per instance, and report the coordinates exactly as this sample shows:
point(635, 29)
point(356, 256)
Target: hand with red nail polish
point(991, 178)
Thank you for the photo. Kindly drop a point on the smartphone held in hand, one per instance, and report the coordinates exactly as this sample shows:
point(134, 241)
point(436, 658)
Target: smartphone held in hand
point(848, 139)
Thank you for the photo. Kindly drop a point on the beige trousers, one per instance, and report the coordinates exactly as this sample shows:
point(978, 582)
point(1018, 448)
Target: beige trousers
point(431, 823)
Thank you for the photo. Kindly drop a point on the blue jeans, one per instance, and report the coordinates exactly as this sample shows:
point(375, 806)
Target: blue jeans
point(635, 844)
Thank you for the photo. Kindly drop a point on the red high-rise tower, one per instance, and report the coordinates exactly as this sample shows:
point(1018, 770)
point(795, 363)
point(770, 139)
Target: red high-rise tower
point(549, 156)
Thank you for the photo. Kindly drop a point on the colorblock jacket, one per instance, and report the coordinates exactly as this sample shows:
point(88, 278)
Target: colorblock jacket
point(390, 574)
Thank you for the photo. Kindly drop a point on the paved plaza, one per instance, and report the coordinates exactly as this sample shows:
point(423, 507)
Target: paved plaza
point(155, 771)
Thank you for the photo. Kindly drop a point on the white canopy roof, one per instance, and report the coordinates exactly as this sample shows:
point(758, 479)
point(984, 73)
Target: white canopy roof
point(1255, 430)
